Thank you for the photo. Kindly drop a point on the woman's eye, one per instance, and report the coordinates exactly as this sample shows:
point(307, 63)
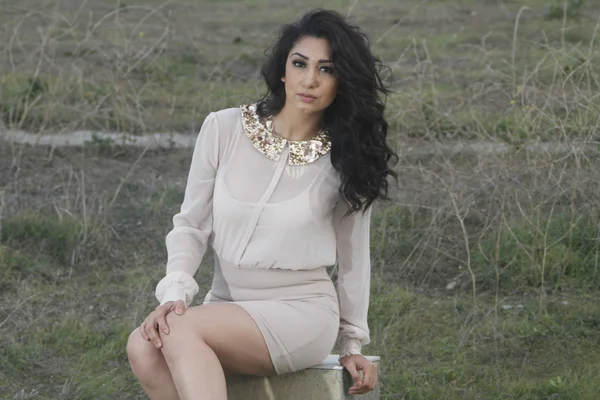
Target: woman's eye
point(302, 64)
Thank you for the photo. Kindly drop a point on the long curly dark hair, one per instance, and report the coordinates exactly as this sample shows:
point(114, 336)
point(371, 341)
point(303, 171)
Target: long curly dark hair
point(354, 121)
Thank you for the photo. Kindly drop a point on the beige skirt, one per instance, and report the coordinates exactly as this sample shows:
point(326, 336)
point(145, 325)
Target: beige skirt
point(297, 312)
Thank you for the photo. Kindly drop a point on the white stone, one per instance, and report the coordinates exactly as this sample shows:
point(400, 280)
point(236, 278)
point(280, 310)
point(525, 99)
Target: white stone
point(326, 381)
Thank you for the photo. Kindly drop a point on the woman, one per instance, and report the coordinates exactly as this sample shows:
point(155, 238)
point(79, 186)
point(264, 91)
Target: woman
point(278, 189)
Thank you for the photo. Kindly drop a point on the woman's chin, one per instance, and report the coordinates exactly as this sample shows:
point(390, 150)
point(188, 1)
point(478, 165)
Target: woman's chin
point(308, 107)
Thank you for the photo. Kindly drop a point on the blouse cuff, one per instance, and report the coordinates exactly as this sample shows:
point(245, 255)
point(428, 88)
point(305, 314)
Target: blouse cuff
point(349, 346)
point(173, 293)
point(177, 286)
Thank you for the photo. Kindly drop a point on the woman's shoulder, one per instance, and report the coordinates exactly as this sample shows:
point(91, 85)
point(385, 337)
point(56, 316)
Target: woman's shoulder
point(245, 116)
point(231, 113)
point(232, 120)
point(226, 121)
point(228, 115)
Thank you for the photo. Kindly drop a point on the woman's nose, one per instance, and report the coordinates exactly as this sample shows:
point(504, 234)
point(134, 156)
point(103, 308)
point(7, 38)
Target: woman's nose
point(311, 78)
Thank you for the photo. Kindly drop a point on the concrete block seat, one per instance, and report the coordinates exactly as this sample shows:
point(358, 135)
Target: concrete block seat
point(326, 381)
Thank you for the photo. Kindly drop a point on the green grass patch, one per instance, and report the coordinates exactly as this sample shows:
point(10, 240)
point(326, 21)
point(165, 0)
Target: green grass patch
point(561, 251)
point(567, 9)
point(439, 347)
point(69, 358)
point(63, 240)
point(17, 266)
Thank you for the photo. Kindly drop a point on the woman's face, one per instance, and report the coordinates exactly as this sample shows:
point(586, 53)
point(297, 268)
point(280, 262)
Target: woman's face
point(310, 81)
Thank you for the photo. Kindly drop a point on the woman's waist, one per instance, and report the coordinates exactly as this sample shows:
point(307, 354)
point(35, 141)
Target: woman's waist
point(231, 282)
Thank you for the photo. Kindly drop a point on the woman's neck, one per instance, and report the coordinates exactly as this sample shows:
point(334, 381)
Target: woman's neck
point(295, 125)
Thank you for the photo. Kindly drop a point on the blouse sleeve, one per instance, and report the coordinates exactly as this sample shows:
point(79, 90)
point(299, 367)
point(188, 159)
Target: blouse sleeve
point(354, 277)
point(187, 242)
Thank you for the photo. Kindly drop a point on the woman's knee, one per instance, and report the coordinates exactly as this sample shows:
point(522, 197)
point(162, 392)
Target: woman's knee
point(142, 355)
point(180, 332)
point(184, 330)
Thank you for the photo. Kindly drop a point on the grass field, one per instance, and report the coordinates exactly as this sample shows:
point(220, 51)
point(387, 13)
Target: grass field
point(486, 266)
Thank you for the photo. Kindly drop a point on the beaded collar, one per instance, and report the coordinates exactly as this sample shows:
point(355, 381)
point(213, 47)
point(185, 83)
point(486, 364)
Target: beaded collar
point(261, 135)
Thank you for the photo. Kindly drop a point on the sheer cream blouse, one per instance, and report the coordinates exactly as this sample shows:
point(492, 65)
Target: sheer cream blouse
point(261, 201)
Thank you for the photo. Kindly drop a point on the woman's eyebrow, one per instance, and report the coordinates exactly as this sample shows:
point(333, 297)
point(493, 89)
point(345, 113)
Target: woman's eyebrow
point(306, 58)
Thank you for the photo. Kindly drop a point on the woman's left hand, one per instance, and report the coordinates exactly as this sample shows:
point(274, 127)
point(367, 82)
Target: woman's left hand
point(355, 364)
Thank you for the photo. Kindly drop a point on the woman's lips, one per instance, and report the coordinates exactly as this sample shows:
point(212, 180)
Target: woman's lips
point(307, 98)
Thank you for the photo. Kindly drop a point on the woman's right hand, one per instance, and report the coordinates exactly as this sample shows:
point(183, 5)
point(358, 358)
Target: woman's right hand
point(157, 320)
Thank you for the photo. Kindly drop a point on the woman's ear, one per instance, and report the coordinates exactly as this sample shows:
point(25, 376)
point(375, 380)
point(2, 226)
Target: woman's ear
point(283, 79)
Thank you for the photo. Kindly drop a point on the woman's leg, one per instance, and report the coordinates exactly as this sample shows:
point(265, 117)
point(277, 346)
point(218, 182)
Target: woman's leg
point(149, 366)
point(205, 341)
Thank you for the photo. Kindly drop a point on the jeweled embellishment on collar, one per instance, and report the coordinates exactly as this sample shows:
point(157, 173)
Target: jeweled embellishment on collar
point(261, 135)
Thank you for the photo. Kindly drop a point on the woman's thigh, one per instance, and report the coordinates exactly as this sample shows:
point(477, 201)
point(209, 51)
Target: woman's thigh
point(229, 331)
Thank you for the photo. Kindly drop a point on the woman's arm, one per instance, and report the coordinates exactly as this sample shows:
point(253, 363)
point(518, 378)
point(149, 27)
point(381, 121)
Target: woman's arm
point(187, 242)
point(354, 277)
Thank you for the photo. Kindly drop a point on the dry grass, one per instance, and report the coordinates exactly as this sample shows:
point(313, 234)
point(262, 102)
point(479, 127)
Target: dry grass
point(460, 70)
point(485, 265)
